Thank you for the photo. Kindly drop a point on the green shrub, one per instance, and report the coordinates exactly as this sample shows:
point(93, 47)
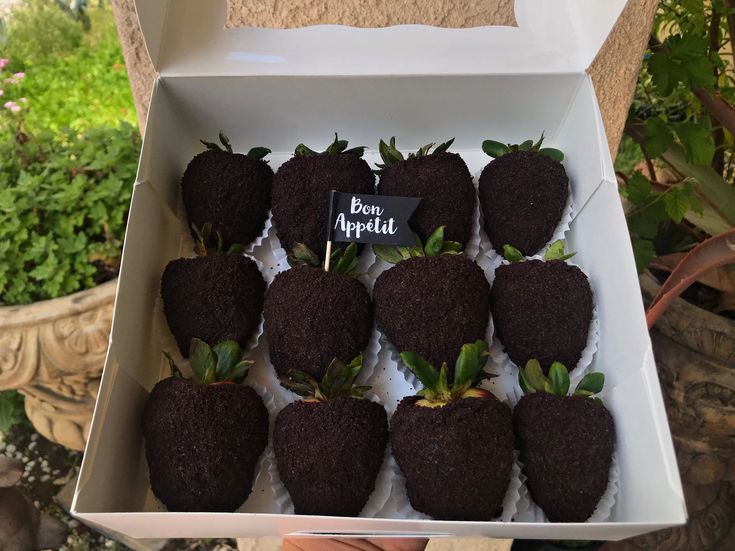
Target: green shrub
point(40, 31)
point(63, 204)
point(11, 410)
point(79, 84)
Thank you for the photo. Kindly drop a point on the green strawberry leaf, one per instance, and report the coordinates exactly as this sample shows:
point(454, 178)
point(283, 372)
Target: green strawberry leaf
point(424, 371)
point(559, 377)
point(389, 254)
point(556, 252)
point(511, 254)
point(552, 153)
point(495, 149)
point(227, 354)
point(592, 383)
point(258, 153)
point(435, 242)
point(202, 360)
point(532, 376)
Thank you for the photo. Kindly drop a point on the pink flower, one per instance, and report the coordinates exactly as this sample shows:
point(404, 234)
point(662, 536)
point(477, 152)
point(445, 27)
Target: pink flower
point(1, 92)
point(19, 75)
point(3, 62)
point(12, 106)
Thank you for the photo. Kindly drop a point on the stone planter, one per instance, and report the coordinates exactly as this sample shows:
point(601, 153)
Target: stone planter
point(52, 352)
point(695, 356)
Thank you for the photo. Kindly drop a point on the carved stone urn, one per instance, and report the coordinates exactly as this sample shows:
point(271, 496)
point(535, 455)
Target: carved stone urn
point(695, 355)
point(52, 351)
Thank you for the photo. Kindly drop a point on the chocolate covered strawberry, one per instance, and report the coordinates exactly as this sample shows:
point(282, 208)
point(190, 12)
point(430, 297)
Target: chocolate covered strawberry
point(440, 178)
point(433, 301)
point(301, 189)
point(453, 443)
point(542, 309)
point(204, 435)
point(214, 296)
point(229, 190)
point(523, 193)
point(312, 316)
point(329, 446)
point(566, 442)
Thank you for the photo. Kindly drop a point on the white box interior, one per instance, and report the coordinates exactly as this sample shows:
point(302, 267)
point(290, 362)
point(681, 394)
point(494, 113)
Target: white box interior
point(282, 111)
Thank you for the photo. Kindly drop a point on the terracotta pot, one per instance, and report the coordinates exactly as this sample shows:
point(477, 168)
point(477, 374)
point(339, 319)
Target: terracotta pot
point(53, 351)
point(695, 355)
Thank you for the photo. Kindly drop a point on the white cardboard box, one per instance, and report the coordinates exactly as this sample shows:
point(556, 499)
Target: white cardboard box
point(280, 87)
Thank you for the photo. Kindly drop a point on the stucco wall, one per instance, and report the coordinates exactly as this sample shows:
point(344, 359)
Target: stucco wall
point(614, 71)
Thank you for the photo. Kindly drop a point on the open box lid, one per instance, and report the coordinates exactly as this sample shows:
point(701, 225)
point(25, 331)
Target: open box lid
point(188, 38)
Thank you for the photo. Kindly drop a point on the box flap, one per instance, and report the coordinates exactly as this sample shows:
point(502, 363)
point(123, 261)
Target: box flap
point(188, 37)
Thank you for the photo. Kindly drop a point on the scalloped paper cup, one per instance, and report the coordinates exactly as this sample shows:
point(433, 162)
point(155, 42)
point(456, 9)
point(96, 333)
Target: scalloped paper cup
point(375, 503)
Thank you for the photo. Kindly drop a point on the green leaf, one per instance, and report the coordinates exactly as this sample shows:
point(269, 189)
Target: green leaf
point(592, 382)
point(552, 153)
point(227, 354)
point(682, 59)
point(387, 253)
point(347, 260)
point(424, 371)
point(511, 254)
point(258, 153)
point(638, 188)
point(469, 363)
point(559, 377)
point(11, 409)
point(556, 251)
point(532, 376)
point(202, 360)
point(697, 142)
point(225, 141)
point(239, 371)
point(356, 151)
point(442, 387)
point(526, 146)
point(441, 148)
point(435, 242)
point(451, 247)
point(494, 149)
point(643, 252)
point(658, 137)
point(643, 226)
point(175, 371)
point(678, 201)
point(301, 255)
point(211, 145)
point(389, 153)
point(303, 151)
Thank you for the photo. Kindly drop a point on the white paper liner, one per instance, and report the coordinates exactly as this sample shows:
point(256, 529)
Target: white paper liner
point(374, 504)
point(562, 227)
point(511, 500)
point(502, 361)
point(258, 241)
